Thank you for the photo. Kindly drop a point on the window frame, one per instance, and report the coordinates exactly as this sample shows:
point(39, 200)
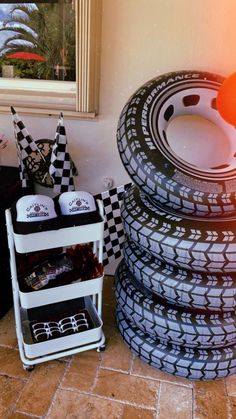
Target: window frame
point(80, 98)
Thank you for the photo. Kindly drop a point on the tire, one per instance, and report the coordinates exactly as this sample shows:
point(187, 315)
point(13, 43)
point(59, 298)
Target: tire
point(190, 243)
point(194, 364)
point(171, 324)
point(212, 292)
point(150, 161)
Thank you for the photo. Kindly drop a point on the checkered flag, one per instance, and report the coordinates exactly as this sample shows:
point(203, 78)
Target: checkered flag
point(61, 168)
point(113, 228)
point(24, 177)
point(25, 146)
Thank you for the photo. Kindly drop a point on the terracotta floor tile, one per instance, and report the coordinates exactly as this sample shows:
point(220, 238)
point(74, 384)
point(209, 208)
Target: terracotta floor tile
point(9, 393)
point(119, 386)
point(142, 369)
point(216, 387)
point(40, 388)
point(131, 412)
point(10, 363)
point(108, 291)
point(81, 406)
point(231, 385)
point(109, 331)
point(117, 354)
point(108, 315)
point(82, 371)
point(19, 415)
point(210, 406)
point(175, 401)
point(7, 330)
point(232, 407)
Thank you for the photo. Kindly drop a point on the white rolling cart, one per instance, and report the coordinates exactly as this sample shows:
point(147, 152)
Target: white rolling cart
point(85, 295)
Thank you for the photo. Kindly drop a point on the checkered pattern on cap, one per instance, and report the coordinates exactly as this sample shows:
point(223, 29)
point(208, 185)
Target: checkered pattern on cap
point(25, 146)
point(113, 228)
point(62, 169)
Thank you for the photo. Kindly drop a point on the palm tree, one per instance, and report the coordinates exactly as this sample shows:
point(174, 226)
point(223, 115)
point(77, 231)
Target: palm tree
point(40, 30)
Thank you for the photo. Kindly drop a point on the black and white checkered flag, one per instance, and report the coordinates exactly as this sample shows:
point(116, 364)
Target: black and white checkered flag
point(62, 168)
point(113, 228)
point(25, 146)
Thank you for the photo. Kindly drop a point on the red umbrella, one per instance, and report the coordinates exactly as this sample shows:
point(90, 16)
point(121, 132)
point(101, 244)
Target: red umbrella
point(26, 56)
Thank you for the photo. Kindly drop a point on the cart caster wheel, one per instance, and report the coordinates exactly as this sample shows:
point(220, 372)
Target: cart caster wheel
point(28, 367)
point(101, 348)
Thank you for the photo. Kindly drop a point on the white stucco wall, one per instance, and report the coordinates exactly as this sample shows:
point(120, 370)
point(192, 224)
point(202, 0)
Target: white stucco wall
point(140, 39)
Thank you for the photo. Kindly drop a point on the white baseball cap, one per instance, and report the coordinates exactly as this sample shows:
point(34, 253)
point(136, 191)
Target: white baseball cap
point(35, 213)
point(78, 208)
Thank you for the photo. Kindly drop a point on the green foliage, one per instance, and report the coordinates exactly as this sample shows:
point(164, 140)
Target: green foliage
point(49, 31)
point(23, 69)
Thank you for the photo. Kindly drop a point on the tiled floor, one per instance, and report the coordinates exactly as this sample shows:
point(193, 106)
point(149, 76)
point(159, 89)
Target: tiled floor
point(106, 385)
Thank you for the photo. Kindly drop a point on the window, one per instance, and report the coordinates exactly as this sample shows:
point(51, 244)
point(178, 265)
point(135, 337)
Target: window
point(61, 73)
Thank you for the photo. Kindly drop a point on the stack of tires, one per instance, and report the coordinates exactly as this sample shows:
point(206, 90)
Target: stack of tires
point(176, 285)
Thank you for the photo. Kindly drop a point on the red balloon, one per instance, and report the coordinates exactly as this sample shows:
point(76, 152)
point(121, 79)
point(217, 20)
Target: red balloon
point(226, 99)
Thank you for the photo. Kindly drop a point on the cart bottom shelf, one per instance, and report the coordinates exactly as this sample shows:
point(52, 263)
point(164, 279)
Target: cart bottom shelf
point(58, 327)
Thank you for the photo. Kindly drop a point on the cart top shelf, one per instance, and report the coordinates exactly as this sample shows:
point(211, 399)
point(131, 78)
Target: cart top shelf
point(68, 236)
